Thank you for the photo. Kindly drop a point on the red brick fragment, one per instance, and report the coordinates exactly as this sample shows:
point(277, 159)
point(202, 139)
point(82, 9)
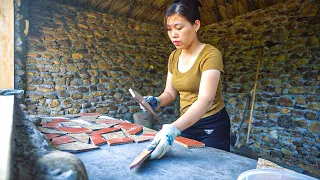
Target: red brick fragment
point(189, 143)
point(62, 140)
point(105, 130)
point(127, 125)
point(148, 135)
point(97, 139)
point(74, 130)
point(116, 141)
point(59, 120)
point(51, 125)
point(51, 136)
point(134, 130)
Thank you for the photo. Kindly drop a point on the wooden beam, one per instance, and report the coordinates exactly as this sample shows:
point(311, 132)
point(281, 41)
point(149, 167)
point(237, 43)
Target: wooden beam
point(254, 94)
point(131, 8)
point(217, 10)
point(6, 44)
point(253, 5)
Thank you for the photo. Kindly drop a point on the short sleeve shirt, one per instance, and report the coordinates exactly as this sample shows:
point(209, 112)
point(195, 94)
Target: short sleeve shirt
point(188, 83)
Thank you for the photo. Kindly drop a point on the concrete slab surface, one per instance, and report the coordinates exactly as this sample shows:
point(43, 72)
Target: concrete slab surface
point(112, 162)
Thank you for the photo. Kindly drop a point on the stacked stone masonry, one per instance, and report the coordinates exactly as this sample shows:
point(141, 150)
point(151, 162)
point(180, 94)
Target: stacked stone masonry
point(80, 61)
point(286, 124)
point(75, 61)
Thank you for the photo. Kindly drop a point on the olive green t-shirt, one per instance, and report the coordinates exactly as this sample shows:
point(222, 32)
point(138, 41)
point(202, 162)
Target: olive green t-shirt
point(188, 83)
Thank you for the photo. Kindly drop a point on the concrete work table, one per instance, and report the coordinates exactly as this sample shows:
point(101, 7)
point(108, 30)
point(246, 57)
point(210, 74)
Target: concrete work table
point(112, 162)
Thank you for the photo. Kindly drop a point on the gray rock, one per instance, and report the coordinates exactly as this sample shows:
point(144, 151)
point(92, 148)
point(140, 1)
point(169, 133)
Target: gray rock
point(61, 165)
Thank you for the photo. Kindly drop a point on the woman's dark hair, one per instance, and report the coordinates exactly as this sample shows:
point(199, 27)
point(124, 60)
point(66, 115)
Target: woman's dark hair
point(186, 8)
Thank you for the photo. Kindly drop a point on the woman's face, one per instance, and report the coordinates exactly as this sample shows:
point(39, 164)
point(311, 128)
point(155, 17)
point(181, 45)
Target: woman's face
point(180, 31)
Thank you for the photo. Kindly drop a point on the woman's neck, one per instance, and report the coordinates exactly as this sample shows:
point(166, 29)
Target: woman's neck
point(192, 49)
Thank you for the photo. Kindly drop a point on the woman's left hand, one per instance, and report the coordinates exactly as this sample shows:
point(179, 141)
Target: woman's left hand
point(163, 141)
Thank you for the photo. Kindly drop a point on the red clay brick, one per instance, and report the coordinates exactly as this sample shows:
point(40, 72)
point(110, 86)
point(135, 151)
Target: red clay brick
point(189, 143)
point(148, 135)
point(59, 120)
point(97, 139)
point(51, 125)
point(106, 130)
point(134, 130)
point(117, 141)
point(51, 136)
point(127, 125)
point(62, 140)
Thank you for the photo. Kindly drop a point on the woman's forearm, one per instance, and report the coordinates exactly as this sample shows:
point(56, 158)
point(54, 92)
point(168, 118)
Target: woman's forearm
point(193, 114)
point(166, 99)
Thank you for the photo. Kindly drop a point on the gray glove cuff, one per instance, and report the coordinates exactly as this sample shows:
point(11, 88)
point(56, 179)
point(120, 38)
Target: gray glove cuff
point(172, 129)
point(158, 102)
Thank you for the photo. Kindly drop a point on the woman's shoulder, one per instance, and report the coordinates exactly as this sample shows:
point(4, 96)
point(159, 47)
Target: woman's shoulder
point(211, 48)
point(173, 53)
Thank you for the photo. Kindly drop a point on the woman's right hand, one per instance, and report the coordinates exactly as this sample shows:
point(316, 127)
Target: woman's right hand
point(153, 101)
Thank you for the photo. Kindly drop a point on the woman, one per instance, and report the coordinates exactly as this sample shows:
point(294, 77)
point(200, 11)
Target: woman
point(193, 72)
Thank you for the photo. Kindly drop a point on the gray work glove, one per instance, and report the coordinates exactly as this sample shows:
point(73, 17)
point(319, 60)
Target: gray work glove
point(163, 141)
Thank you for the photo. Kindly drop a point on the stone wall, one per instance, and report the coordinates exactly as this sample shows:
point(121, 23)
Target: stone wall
point(286, 124)
point(82, 61)
point(20, 16)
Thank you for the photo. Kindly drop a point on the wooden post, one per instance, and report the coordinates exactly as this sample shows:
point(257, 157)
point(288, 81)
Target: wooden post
point(6, 44)
point(254, 94)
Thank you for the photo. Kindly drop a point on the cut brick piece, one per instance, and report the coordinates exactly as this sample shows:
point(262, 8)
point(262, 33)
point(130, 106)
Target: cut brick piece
point(62, 140)
point(127, 125)
point(97, 139)
point(189, 143)
point(59, 120)
point(134, 130)
point(150, 135)
point(76, 147)
point(49, 131)
point(114, 135)
point(51, 125)
point(51, 136)
point(106, 130)
point(82, 137)
point(117, 141)
point(74, 130)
